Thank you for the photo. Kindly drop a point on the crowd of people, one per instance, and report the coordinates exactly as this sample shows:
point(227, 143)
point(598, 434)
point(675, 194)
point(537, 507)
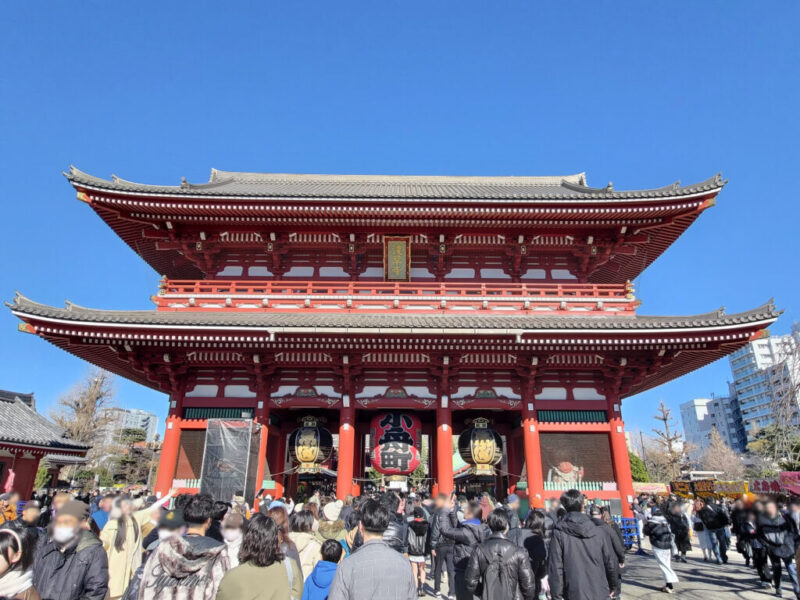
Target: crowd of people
point(382, 545)
point(767, 535)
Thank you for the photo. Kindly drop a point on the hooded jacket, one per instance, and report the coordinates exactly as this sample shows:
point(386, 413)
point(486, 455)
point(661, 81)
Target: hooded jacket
point(613, 537)
point(466, 536)
point(318, 585)
point(81, 571)
point(176, 571)
point(581, 563)
point(513, 573)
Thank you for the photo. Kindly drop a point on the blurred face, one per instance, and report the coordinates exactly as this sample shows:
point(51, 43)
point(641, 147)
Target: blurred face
point(58, 502)
point(698, 505)
point(771, 509)
point(105, 504)
point(126, 506)
point(555, 505)
point(65, 528)
point(30, 515)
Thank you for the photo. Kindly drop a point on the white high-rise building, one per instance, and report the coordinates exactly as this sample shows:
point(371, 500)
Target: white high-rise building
point(760, 371)
point(128, 418)
point(701, 415)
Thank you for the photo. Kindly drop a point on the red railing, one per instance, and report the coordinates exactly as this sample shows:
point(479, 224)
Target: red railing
point(394, 288)
point(366, 295)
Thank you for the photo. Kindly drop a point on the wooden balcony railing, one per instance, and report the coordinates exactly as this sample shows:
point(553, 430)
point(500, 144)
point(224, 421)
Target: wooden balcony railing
point(277, 295)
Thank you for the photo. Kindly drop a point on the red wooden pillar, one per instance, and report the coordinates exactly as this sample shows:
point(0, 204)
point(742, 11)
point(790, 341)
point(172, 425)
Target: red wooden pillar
point(514, 465)
point(444, 447)
point(619, 456)
point(262, 419)
point(347, 438)
point(169, 455)
point(533, 454)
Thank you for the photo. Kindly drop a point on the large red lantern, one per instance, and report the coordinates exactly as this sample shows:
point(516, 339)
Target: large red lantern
point(396, 440)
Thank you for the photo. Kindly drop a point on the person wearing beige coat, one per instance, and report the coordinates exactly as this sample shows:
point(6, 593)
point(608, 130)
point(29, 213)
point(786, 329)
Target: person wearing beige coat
point(124, 549)
point(308, 546)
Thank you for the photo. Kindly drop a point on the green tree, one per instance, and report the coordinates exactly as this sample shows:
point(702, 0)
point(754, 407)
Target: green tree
point(42, 476)
point(638, 470)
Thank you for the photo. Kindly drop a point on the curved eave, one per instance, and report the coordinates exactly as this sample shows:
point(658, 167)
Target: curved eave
point(414, 189)
point(93, 335)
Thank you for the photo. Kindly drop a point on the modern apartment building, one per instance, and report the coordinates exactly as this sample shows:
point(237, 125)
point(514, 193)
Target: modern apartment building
point(763, 370)
point(701, 415)
point(128, 418)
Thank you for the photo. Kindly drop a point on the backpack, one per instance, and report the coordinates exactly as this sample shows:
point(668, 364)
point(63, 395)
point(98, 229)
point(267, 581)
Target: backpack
point(493, 582)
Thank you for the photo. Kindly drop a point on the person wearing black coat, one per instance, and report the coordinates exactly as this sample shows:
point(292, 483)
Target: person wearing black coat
point(775, 534)
point(498, 569)
point(466, 536)
point(658, 530)
point(616, 541)
point(755, 547)
point(679, 525)
point(581, 564)
point(74, 564)
point(396, 535)
point(442, 548)
point(530, 537)
point(714, 519)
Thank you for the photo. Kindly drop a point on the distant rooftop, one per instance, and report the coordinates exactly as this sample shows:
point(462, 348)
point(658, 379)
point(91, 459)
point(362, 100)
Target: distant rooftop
point(9, 396)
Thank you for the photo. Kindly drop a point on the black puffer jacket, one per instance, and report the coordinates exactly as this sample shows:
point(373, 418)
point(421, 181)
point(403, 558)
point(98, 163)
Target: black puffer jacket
point(441, 515)
point(776, 536)
point(714, 517)
point(550, 520)
point(396, 535)
point(581, 564)
point(466, 536)
point(513, 574)
point(657, 529)
point(81, 571)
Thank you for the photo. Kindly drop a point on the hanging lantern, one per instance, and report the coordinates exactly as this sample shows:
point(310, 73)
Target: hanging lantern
point(310, 445)
point(481, 447)
point(396, 437)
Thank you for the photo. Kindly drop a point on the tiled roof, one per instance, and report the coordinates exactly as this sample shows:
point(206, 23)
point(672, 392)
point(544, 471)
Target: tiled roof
point(233, 184)
point(20, 424)
point(65, 459)
point(396, 320)
point(26, 398)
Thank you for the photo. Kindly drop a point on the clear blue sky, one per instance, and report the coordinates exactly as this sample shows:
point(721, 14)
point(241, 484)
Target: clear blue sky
point(638, 93)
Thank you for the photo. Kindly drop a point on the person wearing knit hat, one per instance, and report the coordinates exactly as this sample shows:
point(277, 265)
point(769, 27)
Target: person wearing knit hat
point(331, 526)
point(74, 559)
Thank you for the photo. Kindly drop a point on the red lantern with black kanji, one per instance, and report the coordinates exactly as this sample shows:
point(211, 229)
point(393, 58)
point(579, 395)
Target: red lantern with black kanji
point(396, 442)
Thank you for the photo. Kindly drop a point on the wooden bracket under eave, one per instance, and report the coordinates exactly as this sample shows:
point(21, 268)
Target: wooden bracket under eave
point(760, 334)
point(708, 203)
point(83, 197)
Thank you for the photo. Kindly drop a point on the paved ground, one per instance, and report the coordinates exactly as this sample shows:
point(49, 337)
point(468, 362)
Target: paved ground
point(698, 580)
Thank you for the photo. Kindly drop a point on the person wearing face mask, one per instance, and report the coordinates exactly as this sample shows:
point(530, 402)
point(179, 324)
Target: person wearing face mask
point(16, 562)
point(73, 565)
point(233, 528)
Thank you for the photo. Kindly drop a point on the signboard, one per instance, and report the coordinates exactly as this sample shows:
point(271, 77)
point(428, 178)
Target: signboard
point(681, 488)
point(660, 489)
point(730, 488)
point(790, 481)
point(766, 485)
point(703, 487)
point(397, 258)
